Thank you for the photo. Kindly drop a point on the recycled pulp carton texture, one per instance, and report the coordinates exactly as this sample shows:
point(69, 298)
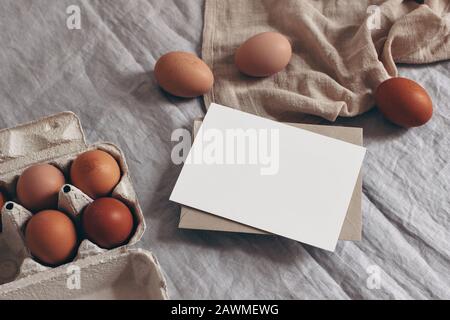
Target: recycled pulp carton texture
point(191, 218)
point(122, 273)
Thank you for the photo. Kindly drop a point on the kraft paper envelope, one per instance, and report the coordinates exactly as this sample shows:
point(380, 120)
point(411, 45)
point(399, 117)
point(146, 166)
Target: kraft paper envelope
point(191, 218)
point(277, 178)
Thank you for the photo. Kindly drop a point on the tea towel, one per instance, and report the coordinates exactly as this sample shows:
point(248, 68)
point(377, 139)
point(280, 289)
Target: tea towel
point(342, 50)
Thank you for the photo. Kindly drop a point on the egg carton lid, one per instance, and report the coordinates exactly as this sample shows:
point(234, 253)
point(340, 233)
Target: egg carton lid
point(40, 140)
point(121, 273)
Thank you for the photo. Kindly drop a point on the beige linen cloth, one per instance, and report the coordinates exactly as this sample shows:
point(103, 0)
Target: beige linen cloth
point(342, 50)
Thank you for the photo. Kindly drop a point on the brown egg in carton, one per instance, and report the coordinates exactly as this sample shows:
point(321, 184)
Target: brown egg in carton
point(72, 202)
point(99, 273)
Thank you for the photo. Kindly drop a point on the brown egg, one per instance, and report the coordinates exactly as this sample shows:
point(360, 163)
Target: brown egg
point(51, 237)
point(38, 187)
point(96, 173)
point(404, 102)
point(2, 200)
point(107, 222)
point(263, 54)
point(183, 74)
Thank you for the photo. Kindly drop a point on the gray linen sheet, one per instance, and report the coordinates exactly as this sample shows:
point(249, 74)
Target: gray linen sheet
point(103, 72)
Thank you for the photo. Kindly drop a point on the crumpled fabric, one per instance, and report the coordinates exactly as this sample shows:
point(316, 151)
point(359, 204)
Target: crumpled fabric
point(104, 73)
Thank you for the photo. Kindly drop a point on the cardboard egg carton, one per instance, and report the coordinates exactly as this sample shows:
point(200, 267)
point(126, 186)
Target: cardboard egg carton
point(95, 272)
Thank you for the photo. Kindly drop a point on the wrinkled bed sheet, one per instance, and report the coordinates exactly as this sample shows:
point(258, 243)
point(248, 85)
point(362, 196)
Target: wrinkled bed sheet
point(103, 72)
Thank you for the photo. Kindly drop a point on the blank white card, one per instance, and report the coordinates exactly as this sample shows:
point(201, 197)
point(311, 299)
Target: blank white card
point(271, 176)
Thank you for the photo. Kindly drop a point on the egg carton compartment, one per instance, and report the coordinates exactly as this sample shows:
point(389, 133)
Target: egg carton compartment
point(19, 271)
point(118, 274)
point(71, 201)
point(40, 140)
point(123, 191)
